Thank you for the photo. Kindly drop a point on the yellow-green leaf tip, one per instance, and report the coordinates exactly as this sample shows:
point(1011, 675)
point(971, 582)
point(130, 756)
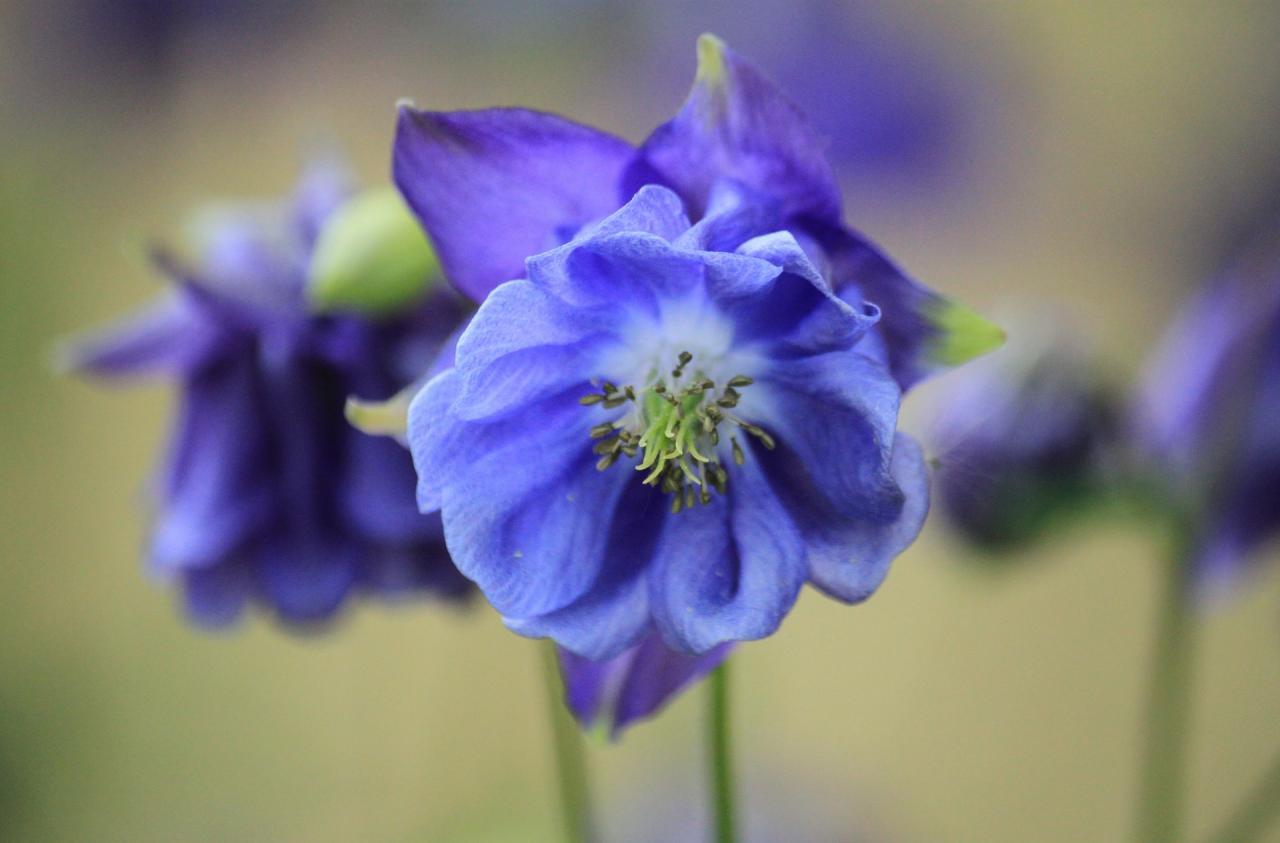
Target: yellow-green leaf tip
point(961, 334)
point(372, 258)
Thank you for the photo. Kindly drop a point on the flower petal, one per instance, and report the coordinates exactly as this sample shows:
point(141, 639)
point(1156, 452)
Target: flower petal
point(729, 570)
point(493, 187)
point(736, 124)
point(217, 491)
point(172, 337)
point(305, 577)
point(924, 332)
point(833, 417)
point(656, 675)
point(851, 564)
point(216, 597)
point(523, 345)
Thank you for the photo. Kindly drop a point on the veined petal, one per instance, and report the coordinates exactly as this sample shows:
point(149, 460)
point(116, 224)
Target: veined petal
point(534, 541)
point(493, 187)
point(653, 210)
point(522, 345)
point(736, 124)
point(833, 416)
point(923, 332)
point(850, 562)
point(613, 612)
point(728, 570)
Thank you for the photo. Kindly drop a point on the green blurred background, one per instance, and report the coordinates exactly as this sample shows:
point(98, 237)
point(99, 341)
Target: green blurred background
point(1103, 157)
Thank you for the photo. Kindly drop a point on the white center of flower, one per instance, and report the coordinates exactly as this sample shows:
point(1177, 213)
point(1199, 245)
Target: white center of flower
point(681, 380)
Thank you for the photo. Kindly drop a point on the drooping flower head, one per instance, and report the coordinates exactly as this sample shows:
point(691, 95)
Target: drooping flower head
point(266, 494)
point(684, 408)
point(1024, 440)
point(1208, 418)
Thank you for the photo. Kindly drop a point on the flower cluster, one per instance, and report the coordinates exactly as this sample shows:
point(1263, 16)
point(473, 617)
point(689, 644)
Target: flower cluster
point(267, 494)
point(678, 401)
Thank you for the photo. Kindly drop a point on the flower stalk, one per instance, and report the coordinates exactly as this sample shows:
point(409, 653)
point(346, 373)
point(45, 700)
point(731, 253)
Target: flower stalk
point(571, 765)
point(720, 757)
point(1258, 810)
point(1162, 799)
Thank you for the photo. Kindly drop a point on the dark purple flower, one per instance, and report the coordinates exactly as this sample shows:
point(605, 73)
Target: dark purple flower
point(1209, 418)
point(1023, 440)
point(267, 495)
point(727, 332)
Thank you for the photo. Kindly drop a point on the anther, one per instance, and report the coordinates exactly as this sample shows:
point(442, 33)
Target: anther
point(738, 456)
point(740, 380)
point(602, 430)
point(593, 398)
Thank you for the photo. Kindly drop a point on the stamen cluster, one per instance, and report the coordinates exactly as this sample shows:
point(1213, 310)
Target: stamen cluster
point(676, 431)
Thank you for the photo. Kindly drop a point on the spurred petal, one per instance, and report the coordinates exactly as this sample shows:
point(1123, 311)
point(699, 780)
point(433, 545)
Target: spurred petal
point(923, 332)
point(737, 125)
point(634, 685)
point(493, 187)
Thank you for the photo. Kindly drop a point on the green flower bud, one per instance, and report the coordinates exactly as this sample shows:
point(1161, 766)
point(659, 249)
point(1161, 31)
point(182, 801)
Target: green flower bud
point(371, 257)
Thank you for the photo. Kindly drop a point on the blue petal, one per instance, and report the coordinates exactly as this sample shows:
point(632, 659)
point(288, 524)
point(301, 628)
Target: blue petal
point(923, 332)
point(376, 492)
point(613, 612)
point(522, 345)
point(305, 577)
point(216, 491)
point(633, 685)
point(851, 563)
point(172, 337)
point(656, 675)
point(654, 211)
point(776, 295)
point(496, 186)
point(729, 570)
point(533, 540)
point(734, 215)
point(736, 124)
point(833, 417)
point(216, 597)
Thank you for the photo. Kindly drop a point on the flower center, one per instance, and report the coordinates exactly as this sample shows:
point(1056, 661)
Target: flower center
point(676, 430)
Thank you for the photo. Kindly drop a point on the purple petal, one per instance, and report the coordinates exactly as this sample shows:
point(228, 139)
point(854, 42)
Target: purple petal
point(172, 337)
point(737, 125)
point(494, 187)
point(216, 490)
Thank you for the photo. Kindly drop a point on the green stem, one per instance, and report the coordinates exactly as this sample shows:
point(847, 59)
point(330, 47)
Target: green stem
point(1259, 809)
point(720, 750)
point(571, 765)
point(1162, 798)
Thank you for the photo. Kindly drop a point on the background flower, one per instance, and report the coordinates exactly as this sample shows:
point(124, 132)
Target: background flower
point(266, 493)
point(1208, 417)
point(1025, 438)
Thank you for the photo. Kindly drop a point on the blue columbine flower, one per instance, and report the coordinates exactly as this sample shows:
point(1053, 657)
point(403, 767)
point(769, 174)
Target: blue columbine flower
point(1025, 439)
point(684, 409)
point(1209, 418)
point(267, 494)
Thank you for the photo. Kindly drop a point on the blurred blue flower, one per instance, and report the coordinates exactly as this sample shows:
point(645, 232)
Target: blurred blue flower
point(615, 693)
point(1024, 439)
point(1209, 418)
point(267, 495)
point(749, 365)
